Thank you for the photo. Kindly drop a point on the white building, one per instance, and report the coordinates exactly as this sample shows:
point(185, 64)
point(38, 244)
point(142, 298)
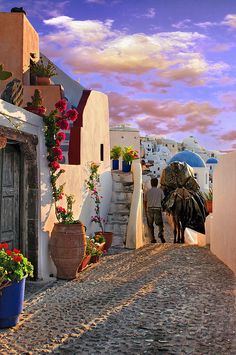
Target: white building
point(125, 135)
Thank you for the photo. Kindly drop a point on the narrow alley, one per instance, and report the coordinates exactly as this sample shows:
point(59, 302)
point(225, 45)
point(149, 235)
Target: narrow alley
point(160, 299)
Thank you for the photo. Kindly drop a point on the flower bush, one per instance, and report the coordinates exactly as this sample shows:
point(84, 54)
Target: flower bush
point(116, 152)
point(98, 239)
point(91, 248)
point(129, 154)
point(55, 123)
point(13, 265)
point(92, 185)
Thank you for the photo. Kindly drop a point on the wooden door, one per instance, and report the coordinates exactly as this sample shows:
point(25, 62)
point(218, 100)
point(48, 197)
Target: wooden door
point(9, 195)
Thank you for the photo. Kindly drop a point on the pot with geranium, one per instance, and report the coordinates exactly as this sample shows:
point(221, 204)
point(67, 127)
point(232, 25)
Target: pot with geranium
point(115, 155)
point(95, 253)
point(92, 185)
point(128, 154)
point(14, 269)
point(68, 239)
point(43, 71)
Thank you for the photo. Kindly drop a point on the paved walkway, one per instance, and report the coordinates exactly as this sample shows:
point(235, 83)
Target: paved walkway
point(161, 299)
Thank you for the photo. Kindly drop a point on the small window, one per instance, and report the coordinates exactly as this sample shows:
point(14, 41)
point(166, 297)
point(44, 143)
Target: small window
point(101, 152)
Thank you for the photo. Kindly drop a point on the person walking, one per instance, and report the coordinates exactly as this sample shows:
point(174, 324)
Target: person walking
point(152, 206)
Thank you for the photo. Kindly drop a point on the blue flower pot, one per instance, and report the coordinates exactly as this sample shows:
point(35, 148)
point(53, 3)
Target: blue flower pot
point(126, 167)
point(115, 164)
point(11, 303)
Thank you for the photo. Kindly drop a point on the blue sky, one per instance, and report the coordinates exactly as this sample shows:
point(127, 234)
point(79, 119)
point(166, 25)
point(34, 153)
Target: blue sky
point(167, 66)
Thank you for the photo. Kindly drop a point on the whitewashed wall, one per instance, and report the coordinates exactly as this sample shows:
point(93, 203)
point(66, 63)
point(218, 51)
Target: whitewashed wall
point(223, 224)
point(95, 131)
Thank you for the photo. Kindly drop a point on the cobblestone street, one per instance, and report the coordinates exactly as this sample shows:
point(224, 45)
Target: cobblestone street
point(161, 299)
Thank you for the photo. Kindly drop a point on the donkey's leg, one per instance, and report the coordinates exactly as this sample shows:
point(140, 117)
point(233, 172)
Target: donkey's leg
point(182, 233)
point(179, 231)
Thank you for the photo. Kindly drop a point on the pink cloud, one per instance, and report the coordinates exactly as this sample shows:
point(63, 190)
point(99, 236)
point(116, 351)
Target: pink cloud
point(229, 136)
point(163, 116)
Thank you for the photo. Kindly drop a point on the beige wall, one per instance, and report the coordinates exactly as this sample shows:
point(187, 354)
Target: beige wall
point(17, 40)
point(223, 225)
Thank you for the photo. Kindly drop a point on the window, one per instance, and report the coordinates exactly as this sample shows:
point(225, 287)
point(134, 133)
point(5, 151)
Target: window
point(101, 152)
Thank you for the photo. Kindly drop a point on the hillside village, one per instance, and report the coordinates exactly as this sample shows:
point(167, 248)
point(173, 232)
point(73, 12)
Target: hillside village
point(39, 172)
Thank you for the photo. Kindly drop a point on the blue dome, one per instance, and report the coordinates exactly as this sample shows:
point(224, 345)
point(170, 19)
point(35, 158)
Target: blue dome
point(212, 161)
point(192, 159)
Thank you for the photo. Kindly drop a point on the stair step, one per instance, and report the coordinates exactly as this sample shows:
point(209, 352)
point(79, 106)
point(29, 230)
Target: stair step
point(117, 218)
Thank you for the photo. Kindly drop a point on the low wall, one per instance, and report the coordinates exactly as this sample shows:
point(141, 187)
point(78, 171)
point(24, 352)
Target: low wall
point(134, 238)
point(223, 226)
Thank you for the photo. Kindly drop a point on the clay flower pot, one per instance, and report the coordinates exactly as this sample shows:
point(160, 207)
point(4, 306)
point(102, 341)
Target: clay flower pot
point(84, 263)
point(40, 80)
point(67, 247)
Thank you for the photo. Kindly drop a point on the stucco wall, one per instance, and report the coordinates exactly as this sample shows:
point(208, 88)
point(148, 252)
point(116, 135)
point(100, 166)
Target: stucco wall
point(14, 48)
point(95, 132)
point(223, 225)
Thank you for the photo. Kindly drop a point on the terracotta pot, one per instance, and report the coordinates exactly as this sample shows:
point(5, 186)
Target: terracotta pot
point(43, 80)
point(209, 205)
point(67, 248)
point(108, 236)
point(84, 263)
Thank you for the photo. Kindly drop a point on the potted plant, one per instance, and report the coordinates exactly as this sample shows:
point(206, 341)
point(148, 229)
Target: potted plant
point(115, 155)
point(95, 254)
point(128, 155)
point(92, 185)
point(14, 268)
point(43, 71)
point(35, 105)
point(68, 240)
point(208, 199)
point(99, 241)
point(87, 256)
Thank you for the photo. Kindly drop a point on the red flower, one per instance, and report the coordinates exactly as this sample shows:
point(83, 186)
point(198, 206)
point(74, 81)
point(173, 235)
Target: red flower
point(9, 252)
point(57, 151)
point(63, 124)
point(17, 258)
point(61, 105)
point(72, 114)
point(16, 251)
point(54, 165)
point(58, 143)
point(61, 136)
point(61, 210)
point(4, 245)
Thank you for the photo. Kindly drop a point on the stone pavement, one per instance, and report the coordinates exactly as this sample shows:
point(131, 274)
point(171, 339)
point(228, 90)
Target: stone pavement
point(161, 299)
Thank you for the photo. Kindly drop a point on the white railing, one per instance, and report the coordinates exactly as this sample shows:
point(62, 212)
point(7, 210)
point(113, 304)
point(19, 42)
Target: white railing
point(134, 238)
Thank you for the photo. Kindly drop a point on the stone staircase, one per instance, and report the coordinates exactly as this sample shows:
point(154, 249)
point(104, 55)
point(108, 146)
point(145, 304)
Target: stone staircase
point(118, 216)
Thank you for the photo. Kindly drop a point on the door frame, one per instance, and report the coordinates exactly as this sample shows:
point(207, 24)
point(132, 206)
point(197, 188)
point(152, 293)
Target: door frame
point(29, 192)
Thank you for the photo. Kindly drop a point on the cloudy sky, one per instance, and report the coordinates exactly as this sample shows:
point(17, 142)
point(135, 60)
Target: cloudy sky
point(168, 66)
